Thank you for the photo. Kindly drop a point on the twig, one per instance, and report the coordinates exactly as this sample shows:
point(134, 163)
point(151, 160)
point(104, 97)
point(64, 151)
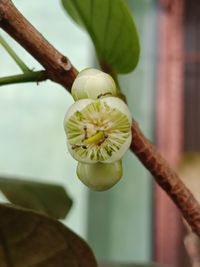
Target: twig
point(31, 76)
point(60, 70)
point(58, 67)
point(166, 177)
point(15, 57)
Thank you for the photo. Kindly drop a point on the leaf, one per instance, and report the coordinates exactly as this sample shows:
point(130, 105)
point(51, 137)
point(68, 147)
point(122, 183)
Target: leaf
point(131, 265)
point(28, 239)
point(112, 30)
point(46, 198)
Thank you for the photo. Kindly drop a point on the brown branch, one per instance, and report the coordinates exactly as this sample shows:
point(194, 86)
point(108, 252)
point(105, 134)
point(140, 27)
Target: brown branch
point(60, 70)
point(166, 177)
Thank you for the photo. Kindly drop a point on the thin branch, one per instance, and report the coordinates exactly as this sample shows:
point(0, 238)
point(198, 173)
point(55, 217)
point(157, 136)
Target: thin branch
point(60, 70)
point(58, 67)
point(15, 57)
point(166, 177)
point(31, 76)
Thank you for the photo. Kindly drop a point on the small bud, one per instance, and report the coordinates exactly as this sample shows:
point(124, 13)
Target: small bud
point(93, 84)
point(100, 176)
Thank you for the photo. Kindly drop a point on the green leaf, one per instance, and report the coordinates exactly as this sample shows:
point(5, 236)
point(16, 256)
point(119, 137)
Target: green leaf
point(111, 27)
point(45, 198)
point(34, 240)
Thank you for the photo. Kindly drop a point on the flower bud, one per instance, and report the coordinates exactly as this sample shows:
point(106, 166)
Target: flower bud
point(93, 84)
point(100, 176)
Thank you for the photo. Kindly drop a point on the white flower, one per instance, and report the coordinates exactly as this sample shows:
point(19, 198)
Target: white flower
point(98, 130)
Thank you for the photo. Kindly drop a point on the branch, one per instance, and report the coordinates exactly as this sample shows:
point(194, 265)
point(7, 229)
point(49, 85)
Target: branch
point(57, 66)
point(60, 70)
point(31, 76)
point(166, 177)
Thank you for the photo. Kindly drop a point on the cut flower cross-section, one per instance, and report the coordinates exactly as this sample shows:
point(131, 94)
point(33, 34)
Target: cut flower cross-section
point(98, 130)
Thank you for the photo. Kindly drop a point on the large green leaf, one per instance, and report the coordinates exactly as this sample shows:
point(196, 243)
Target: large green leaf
point(28, 239)
point(46, 198)
point(111, 27)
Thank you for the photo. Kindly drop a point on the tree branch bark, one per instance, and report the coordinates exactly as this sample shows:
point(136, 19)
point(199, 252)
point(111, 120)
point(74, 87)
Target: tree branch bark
point(60, 70)
point(166, 177)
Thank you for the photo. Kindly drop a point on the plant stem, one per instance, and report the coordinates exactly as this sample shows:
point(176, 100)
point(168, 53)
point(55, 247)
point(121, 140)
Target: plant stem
point(166, 177)
point(58, 67)
point(31, 76)
point(12, 53)
point(106, 68)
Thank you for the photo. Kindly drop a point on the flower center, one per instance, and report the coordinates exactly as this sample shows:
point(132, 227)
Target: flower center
point(96, 138)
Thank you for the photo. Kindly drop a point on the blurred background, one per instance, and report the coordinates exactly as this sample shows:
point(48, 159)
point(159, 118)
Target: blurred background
point(135, 221)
